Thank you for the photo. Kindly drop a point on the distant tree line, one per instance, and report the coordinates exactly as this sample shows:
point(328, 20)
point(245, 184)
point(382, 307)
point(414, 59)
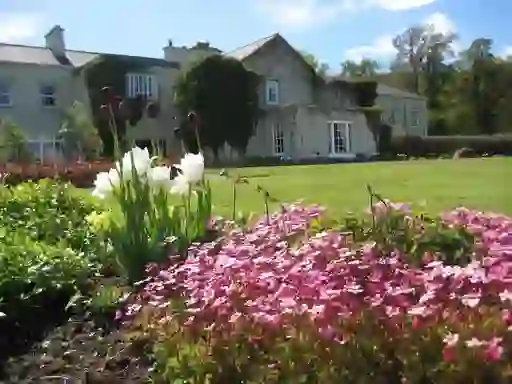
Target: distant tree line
point(468, 92)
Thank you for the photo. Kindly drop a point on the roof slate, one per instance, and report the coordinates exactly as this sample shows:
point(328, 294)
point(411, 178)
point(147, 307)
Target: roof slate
point(25, 54)
point(245, 51)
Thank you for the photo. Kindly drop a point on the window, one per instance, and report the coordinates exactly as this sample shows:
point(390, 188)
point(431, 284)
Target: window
point(48, 98)
point(278, 136)
point(272, 92)
point(141, 84)
point(340, 137)
point(415, 118)
point(5, 95)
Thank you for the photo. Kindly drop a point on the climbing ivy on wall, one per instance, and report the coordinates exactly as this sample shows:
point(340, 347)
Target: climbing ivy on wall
point(106, 86)
point(366, 94)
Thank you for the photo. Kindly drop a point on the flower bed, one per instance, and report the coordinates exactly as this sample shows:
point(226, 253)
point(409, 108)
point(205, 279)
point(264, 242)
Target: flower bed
point(394, 296)
point(264, 305)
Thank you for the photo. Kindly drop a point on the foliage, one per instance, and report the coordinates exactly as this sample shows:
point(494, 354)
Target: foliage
point(106, 85)
point(79, 133)
point(417, 146)
point(319, 67)
point(12, 140)
point(140, 223)
point(224, 96)
point(49, 212)
point(279, 303)
point(47, 247)
point(365, 68)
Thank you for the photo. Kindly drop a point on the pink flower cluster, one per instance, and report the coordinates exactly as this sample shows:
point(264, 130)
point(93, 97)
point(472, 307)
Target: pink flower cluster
point(256, 278)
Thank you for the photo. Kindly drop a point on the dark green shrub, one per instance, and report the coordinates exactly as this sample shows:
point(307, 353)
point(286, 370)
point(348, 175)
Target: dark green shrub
point(429, 146)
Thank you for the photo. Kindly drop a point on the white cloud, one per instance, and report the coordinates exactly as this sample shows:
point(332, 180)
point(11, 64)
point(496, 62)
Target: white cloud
point(441, 23)
point(382, 48)
point(300, 14)
point(400, 5)
point(506, 52)
point(295, 14)
point(18, 27)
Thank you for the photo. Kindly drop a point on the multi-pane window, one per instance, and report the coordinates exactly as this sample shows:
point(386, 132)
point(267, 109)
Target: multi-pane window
point(48, 98)
point(340, 136)
point(272, 92)
point(141, 84)
point(5, 95)
point(278, 139)
point(415, 118)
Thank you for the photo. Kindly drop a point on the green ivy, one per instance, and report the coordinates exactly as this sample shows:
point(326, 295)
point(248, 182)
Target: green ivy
point(109, 71)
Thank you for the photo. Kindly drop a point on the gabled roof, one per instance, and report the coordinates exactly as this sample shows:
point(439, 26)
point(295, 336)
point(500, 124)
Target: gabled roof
point(25, 54)
point(245, 51)
point(386, 90)
point(382, 89)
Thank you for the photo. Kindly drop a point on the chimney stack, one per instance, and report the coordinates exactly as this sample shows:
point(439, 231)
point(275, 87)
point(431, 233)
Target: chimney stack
point(55, 41)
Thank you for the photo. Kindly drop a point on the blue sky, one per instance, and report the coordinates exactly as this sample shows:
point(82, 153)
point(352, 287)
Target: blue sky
point(333, 30)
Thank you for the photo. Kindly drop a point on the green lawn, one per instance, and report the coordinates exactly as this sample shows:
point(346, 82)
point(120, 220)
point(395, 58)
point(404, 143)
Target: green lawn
point(484, 184)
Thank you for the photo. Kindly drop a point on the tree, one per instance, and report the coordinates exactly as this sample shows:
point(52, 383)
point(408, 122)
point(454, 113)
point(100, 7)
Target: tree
point(79, 133)
point(480, 48)
point(320, 68)
point(12, 141)
point(413, 47)
point(366, 68)
point(225, 97)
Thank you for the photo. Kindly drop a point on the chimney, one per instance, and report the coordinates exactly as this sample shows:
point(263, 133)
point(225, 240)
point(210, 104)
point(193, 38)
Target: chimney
point(55, 41)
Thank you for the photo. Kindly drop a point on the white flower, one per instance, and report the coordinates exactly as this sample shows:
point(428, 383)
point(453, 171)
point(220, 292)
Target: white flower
point(160, 176)
point(192, 167)
point(180, 185)
point(141, 162)
point(105, 182)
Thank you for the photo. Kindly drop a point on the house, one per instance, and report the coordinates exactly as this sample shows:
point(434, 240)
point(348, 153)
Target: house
point(405, 112)
point(305, 116)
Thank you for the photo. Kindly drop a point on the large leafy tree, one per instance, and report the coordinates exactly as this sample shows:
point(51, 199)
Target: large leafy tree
point(224, 95)
point(419, 49)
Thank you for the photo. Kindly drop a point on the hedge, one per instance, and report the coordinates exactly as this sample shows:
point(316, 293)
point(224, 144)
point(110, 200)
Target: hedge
point(417, 146)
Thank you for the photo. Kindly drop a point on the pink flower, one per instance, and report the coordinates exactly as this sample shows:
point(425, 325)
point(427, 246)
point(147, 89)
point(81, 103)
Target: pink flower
point(451, 339)
point(494, 350)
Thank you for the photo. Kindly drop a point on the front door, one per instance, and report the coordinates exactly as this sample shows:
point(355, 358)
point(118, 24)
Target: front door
point(340, 137)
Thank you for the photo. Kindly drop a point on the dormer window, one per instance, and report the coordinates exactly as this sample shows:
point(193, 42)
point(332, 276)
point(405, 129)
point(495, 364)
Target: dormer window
point(272, 92)
point(141, 84)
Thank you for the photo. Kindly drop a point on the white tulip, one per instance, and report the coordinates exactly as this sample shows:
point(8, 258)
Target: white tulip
point(141, 162)
point(160, 176)
point(105, 182)
point(180, 185)
point(192, 167)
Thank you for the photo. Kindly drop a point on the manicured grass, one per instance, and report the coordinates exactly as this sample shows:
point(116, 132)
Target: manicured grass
point(484, 184)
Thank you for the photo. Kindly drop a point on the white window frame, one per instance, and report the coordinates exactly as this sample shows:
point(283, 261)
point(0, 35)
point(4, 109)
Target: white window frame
point(5, 92)
point(144, 84)
point(272, 85)
point(41, 143)
point(46, 96)
point(344, 129)
point(415, 118)
point(277, 139)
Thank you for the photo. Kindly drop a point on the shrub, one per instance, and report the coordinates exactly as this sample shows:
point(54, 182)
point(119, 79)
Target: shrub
point(49, 212)
point(278, 303)
point(417, 146)
point(47, 252)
